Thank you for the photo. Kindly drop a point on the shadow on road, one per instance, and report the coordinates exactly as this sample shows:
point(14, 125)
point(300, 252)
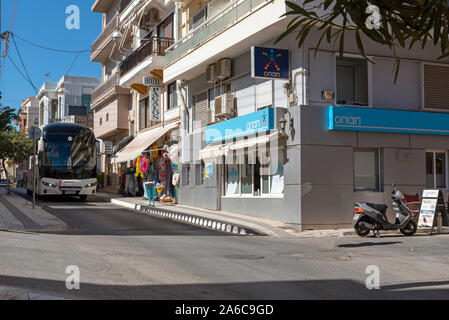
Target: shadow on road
point(275, 290)
point(368, 244)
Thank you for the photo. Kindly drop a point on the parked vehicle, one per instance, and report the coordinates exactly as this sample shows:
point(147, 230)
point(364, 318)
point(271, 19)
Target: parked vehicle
point(372, 217)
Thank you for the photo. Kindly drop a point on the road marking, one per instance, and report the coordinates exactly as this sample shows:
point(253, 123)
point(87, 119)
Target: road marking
point(8, 220)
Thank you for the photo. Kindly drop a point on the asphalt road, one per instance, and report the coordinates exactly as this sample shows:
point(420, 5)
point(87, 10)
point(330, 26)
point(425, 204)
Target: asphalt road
point(126, 255)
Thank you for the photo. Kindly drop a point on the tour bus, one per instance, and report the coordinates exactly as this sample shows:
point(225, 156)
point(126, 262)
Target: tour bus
point(67, 161)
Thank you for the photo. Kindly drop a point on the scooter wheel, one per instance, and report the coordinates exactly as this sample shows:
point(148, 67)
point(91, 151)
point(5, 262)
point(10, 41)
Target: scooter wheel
point(361, 230)
point(409, 229)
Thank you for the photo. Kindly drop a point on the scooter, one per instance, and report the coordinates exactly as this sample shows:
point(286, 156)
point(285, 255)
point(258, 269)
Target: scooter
point(370, 216)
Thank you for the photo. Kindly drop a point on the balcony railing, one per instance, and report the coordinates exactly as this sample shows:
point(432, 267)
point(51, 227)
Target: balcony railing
point(123, 5)
point(152, 46)
point(107, 31)
point(103, 88)
point(230, 15)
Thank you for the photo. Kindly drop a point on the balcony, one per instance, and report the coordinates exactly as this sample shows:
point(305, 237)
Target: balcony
point(106, 90)
point(229, 33)
point(149, 54)
point(102, 46)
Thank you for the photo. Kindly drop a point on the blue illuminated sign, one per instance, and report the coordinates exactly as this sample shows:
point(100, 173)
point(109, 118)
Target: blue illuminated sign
point(248, 124)
point(382, 120)
point(270, 63)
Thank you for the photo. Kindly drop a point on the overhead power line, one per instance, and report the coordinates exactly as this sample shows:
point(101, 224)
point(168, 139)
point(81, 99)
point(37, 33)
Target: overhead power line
point(48, 48)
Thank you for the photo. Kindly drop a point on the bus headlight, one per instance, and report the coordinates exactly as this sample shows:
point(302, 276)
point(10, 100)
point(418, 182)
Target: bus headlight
point(92, 184)
point(48, 184)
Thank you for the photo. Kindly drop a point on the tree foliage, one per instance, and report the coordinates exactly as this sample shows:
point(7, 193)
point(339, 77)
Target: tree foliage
point(403, 24)
point(7, 115)
point(14, 145)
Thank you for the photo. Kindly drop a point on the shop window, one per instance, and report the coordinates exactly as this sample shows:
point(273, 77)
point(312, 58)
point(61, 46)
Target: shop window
point(366, 170)
point(436, 169)
point(352, 81)
point(249, 178)
point(172, 96)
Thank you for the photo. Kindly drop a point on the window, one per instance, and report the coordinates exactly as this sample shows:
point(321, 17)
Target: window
point(86, 100)
point(366, 170)
point(254, 179)
point(107, 117)
point(436, 169)
point(172, 96)
point(352, 81)
point(144, 114)
point(186, 175)
point(435, 83)
point(101, 121)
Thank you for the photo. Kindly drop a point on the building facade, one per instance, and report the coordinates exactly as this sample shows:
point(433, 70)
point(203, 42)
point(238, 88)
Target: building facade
point(68, 100)
point(300, 148)
point(132, 103)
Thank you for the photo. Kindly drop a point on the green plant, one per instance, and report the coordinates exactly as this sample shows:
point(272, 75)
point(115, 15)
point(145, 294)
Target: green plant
point(100, 179)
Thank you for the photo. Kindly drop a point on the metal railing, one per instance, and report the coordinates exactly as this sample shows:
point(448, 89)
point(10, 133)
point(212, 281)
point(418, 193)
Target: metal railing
point(227, 17)
point(104, 87)
point(152, 46)
point(107, 31)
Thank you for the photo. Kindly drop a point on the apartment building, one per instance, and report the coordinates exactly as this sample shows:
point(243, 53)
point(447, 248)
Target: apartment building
point(27, 114)
point(68, 100)
point(342, 130)
point(132, 103)
point(299, 148)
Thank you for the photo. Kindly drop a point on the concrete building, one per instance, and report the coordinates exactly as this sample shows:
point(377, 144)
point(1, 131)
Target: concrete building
point(331, 157)
point(131, 49)
point(303, 147)
point(68, 100)
point(27, 114)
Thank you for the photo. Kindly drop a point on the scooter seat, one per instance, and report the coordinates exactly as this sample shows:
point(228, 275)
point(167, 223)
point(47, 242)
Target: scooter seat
point(382, 208)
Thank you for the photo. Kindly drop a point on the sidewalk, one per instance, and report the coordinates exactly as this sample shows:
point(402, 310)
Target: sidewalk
point(234, 223)
point(228, 222)
point(16, 213)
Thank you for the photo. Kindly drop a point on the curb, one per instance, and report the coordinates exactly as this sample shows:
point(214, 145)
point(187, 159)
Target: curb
point(187, 218)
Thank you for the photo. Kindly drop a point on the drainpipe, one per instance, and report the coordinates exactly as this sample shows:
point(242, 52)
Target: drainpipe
point(176, 23)
point(183, 111)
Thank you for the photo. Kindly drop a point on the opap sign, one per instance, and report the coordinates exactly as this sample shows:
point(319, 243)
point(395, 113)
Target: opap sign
point(270, 63)
point(248, 124)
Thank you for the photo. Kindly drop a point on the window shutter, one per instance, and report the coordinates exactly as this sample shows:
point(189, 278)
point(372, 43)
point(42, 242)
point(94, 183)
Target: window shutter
point(200, 112)
point(436, 84)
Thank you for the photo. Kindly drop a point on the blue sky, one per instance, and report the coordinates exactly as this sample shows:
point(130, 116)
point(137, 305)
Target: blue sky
point(44, 22)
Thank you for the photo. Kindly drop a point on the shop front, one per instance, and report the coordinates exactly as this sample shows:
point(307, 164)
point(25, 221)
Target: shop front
point(240, 167)
point(152, 156)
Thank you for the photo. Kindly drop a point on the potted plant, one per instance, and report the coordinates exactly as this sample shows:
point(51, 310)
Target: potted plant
point(100, 180)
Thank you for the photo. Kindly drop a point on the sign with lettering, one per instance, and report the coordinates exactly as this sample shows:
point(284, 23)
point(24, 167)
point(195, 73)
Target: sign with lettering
point(270, 63)
point(431, 204)
point(256, 122)
point(383, 120)
point(155, 103)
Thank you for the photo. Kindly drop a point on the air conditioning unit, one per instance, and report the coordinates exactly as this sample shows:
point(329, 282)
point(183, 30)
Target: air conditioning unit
point(210, 73)
point(224, 105)
point(223, 70)
point(210, 119)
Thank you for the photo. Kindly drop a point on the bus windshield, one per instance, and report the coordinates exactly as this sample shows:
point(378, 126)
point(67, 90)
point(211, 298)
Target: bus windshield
point(69, 155)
